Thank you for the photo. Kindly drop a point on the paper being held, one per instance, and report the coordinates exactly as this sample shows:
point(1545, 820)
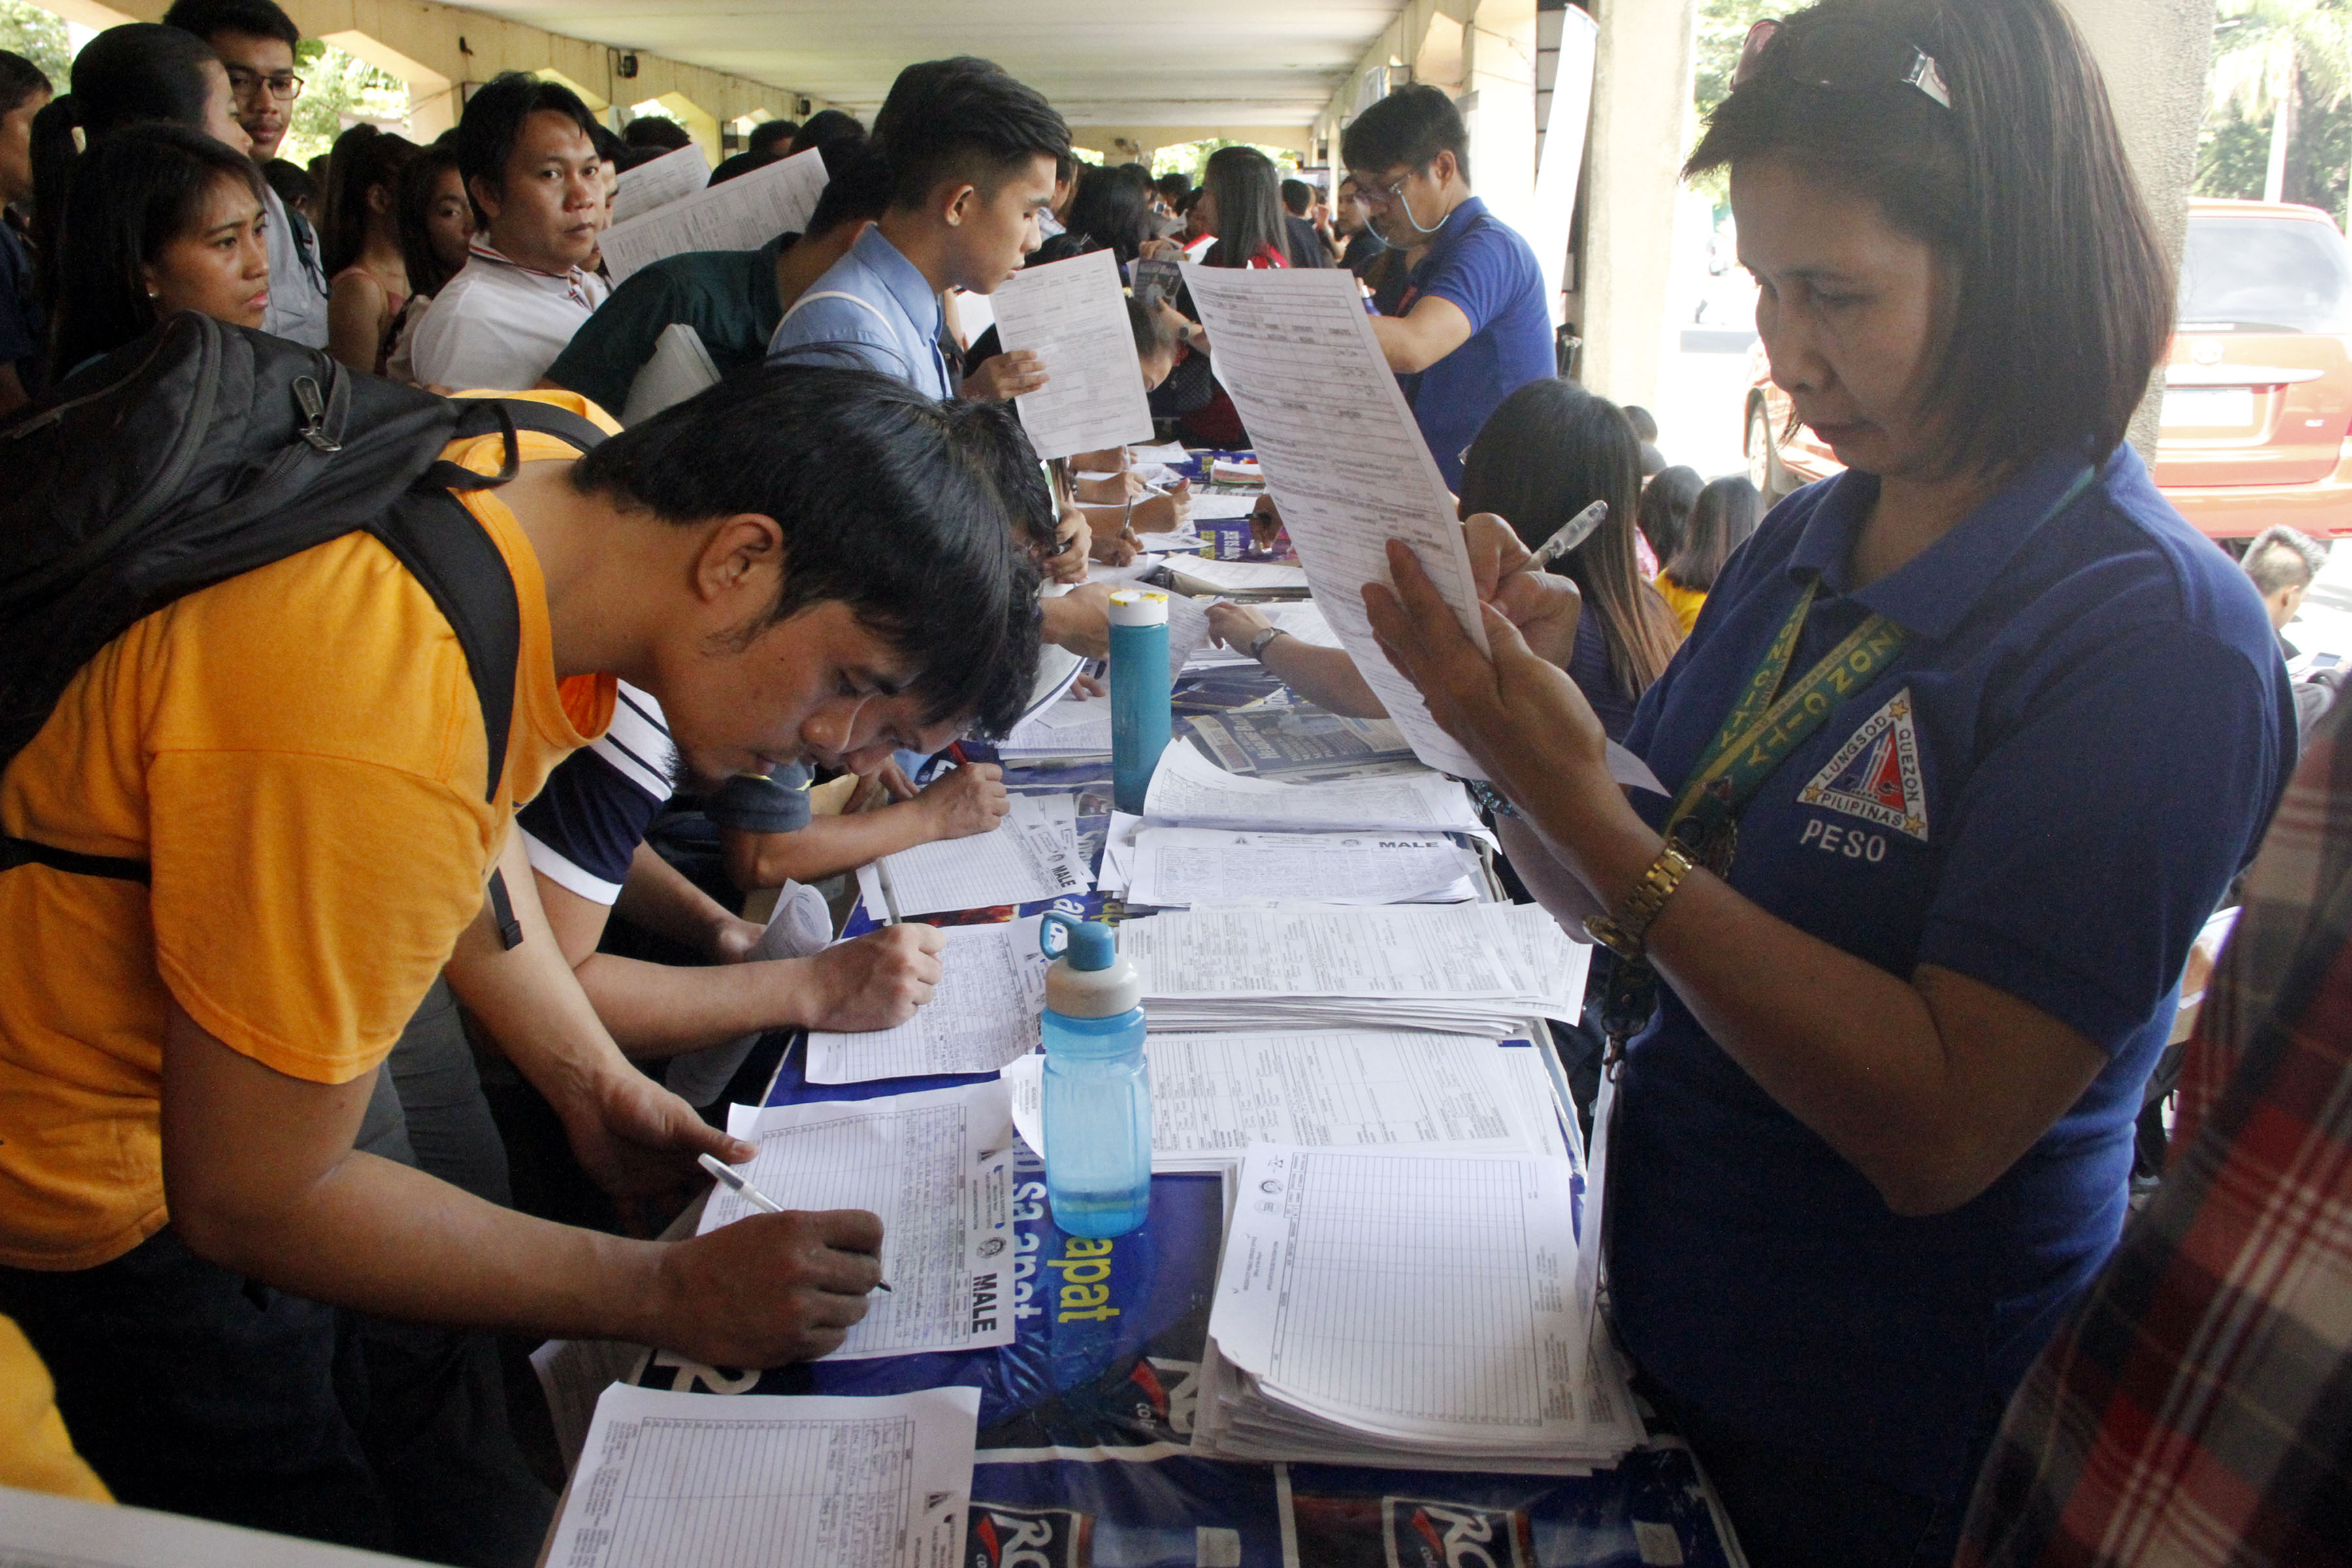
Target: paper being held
point(1344, 460)
point(1072, 315)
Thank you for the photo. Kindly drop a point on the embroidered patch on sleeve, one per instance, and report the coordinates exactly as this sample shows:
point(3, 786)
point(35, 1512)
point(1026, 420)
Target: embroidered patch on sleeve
point(1875, 775)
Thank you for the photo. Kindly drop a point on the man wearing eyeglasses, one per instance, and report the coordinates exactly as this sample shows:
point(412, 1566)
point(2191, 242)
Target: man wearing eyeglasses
point(1472, 326)
point(255, 39)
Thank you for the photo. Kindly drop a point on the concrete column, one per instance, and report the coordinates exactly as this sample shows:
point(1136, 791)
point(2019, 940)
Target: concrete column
point(2154, 55)
point(1640, 100)
point(1499, 89)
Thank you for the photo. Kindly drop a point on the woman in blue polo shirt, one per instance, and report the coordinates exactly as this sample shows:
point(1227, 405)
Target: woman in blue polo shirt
point(1965, 746)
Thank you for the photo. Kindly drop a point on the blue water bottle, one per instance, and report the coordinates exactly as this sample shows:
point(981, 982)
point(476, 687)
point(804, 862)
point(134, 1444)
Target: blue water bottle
point(1098, 1084)
point(1139, 692)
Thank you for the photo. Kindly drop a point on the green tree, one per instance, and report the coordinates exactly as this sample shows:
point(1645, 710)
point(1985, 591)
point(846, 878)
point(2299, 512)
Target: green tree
point(40, 37)
point(1189, 158)
point(1722, 29)
point(2284, 62)
point(338, 89)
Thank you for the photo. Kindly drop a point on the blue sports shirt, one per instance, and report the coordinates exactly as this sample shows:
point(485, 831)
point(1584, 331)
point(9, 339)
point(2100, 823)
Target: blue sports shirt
point(2047, 789)
point(1485, 269)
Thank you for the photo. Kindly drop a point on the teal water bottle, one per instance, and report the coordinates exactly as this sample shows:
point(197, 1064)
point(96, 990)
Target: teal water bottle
point(1139, 692)
point(1098, 1091)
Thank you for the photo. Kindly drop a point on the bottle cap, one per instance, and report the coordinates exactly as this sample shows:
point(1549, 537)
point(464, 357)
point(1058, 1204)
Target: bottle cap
point(1139, 607)
point(1089, 978)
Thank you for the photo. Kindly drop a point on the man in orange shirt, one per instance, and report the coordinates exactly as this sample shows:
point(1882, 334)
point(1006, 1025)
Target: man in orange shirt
point(297, 755)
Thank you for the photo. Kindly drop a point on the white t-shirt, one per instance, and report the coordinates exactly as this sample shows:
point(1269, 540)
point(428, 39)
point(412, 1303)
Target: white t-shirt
point(498, 325)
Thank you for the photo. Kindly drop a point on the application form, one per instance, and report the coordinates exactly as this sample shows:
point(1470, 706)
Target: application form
point(1073, 315)
point(1031, 854)
point(742, 215)
point(936, 1168)
point(985, 1012)
point(672, 177)
point(1182, 867)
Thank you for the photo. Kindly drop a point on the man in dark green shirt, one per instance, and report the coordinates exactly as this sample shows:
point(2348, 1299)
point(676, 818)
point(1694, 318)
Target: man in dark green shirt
point(732, 299)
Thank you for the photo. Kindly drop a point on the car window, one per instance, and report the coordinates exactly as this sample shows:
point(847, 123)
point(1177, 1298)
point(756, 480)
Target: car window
point(2286, 274)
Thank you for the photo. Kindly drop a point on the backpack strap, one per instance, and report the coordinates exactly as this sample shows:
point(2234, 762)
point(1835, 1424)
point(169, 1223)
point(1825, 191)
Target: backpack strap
point(446, 547)
point(15, 852)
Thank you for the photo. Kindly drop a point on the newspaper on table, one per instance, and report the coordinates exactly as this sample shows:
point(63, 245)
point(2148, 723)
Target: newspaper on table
point(697, 1481)
point(1343, 458)
point(1272, 741)
point(1215, 1095)
point(1387, 1306)
point(1465, 969)
point(744, 214)
point(936, 1167)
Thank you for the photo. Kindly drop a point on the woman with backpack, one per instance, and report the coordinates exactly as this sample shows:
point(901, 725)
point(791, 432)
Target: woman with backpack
point(160, 219)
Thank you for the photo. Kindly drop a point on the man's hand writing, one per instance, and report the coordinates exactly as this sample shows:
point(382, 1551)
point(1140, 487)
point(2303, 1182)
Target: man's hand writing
point(768, 1290)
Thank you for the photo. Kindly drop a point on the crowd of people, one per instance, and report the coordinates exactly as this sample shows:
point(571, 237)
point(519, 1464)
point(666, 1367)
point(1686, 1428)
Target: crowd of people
point(322, 1065)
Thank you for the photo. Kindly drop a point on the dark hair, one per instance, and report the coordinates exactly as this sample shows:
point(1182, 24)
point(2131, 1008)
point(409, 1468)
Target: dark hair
point(903, 509)
point(1726, 512)
point(1298, 197)
point(139, 189)
point(1173, 186)
point(494, 120)
point(654, 130)
point(290, 181)
point(1110, 210)
point(1243, 182)
point(1411, 126)
point(736, 165)
point(1548, 452)
point(364, 158)
point(261, 19)
point(2284, 557)
point(1154, 334)
point(1644, 423)
point(610, 149)
point(1666, 502)
point(139, 72)
point(20, 79)
point(857, 187)
point(2062, 304)
point(824, 126)
point(964, 119)
point(768, 132)
point(427, 275)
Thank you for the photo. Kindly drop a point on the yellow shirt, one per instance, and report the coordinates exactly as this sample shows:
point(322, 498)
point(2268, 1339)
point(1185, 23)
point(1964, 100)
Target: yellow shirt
point(35, 1452)
point(298, 753)
point(1684, 602)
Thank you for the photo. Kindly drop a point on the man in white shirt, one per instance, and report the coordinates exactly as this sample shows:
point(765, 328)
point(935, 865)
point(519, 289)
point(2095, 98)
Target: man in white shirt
point(255, 40)
point(531, 168)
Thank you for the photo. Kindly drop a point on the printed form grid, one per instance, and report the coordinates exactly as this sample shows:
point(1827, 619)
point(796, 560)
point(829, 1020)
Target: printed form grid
point(736, 1494)
point(1406, 1289)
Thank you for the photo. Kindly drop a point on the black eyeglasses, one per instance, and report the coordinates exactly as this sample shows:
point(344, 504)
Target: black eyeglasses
point(1844, 57)
point(284, 86)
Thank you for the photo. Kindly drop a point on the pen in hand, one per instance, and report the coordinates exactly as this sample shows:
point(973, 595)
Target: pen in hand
point(750, 1194)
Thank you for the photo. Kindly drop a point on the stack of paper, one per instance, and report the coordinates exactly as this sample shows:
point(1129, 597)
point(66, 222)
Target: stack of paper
point(1184, 867)
point(1190, 791)
point(1463, 969)
point(983, 1013)
point(1074, 726)
point(851, 1483)
point(1297, 739)
point(1200, 574)
point(1212, 1096)
point(1407, 1308)
point(1031, 854)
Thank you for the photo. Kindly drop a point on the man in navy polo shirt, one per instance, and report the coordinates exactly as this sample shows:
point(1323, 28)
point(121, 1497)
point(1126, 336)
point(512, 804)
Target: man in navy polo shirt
point(1472, 327)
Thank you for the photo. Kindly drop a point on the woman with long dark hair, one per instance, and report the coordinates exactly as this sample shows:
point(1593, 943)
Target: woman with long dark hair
point(367, 278)
point(139, 72)
point(161, 219)
point(1726, 512)
point(1241, 204)
point(436, 228)
point(1966, 747)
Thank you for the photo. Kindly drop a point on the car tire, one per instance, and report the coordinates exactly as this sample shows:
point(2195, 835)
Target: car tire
point(1764, 469)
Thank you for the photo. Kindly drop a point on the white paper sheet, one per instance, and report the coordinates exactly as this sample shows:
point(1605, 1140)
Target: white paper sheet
point(1070, 728)
point(1178, 867)
point(744, 214)
point(1215, 1095)
point(1031, 854)
point(1342, 458)
point(1273, 953)
point(1420, 1297)
point(679, 367)
point(690, 1480)
point(935, 1167)
point(1073, 316)
point(1119, 852)
point(1211, 506)
point(1166, 452)
point(991, 992)
point(1188, 790)
point(672, 177)
point(1244, 576)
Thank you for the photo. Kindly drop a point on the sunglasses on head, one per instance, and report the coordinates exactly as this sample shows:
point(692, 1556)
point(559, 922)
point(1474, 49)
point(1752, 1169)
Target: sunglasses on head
point(1844, 57)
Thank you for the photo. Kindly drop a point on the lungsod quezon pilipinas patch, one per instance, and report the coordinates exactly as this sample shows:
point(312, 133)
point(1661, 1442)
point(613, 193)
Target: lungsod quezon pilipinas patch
point(1875, 775)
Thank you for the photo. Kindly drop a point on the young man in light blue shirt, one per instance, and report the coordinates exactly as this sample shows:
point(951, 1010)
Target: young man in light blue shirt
point(972, 157)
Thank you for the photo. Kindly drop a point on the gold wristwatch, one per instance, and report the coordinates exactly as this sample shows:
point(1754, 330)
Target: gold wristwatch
point(1625, 933)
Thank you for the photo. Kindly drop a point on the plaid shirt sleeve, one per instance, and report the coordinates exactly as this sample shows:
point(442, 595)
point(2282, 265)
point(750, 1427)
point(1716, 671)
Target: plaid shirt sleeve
point(2198, 1408)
